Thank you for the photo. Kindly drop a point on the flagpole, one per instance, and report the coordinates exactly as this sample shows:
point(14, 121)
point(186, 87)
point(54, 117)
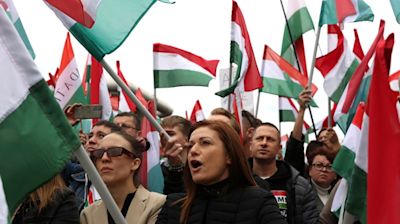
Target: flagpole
point(230, 82)
point(298, 63)
point(258, 102)
point(134, 99)
point(94, 176)
point(155, 101)
point(329, 114)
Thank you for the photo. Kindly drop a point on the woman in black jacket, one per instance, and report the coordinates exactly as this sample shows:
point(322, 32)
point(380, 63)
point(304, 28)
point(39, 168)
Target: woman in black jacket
point(219, 184)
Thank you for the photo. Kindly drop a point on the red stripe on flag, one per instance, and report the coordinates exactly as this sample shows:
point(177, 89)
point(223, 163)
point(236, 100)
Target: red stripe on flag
point(73, 9)
point(131, 105)
point(344, 8)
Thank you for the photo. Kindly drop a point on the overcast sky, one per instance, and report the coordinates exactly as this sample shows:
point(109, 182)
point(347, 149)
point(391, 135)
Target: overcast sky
point(203, 28)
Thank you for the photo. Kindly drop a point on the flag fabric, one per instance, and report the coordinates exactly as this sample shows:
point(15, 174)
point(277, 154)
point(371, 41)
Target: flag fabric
point(125, 104)
point(150, 174)
point(288, 112)
point(9, 7)
point(3, 205)
point(284, 139)
point(35, 136)
point(114, 21)
point(197, 113)
point(68, 89)
point(396, 9)
point(324, 123)
point(242, 55)
point(394, 81)
point(82, 11)
point(383, 142)
point(344, 11)
point(299, 22)
point(280, 77)
point(338, 65)
point(344, 161)
point(176, 67)
point(98, 89)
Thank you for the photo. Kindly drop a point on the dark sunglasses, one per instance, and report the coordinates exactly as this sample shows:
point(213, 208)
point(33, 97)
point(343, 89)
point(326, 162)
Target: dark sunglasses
point(111, 152)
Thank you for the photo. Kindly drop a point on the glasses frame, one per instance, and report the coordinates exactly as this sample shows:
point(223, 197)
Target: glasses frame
point(320, 167)
point(111, 152)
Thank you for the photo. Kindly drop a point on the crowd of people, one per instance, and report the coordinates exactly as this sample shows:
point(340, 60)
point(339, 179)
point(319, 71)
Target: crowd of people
point(214, 172)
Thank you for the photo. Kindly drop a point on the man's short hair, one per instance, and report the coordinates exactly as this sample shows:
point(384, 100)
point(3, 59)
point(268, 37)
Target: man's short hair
point(230, 116)
point(113, 127)
point(253, 121)
point(177, 121)
point(268, 124)
point(133, 115)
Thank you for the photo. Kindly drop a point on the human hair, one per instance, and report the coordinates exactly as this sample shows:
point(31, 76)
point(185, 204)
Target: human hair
point(320, 131)
point(229, 115)
point(253, 121)
point(134, 116)
point(311, 147)
point(177, 121)
point(319, 150)
point(138, 148)
point(268, 124)
point(45, 194)
point(113, 127)
point(240, 174)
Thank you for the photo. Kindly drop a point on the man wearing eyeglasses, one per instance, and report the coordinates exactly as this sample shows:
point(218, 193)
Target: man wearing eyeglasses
point(129, 122)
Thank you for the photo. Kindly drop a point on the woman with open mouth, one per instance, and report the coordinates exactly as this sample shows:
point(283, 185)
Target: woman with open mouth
point(219, 184)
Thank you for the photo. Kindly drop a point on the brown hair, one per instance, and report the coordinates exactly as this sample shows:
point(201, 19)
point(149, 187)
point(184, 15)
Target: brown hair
point(45, 194)
point(177, 121)
point(232, 120)
point(316, 148)
point(239, 170)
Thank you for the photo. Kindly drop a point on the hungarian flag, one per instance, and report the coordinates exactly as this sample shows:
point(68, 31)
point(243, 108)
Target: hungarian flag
point(396, 9)
point(150, 175)
point(114, 21)
point(394, 81)
point(36, 138)
point(288, 112)
point(12, 13)
point(299, 22)
point(197, 113)
point(281, 78)
point(82, 11)
point(324, 123)
point(242, 55)
point(125, 104)
point(68, 89)
point(98, 88)
point(176, 67)
point(344, 11)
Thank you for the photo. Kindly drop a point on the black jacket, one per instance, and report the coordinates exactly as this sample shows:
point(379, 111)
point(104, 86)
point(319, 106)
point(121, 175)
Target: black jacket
point(62, 209)
point(240, 205)
point(300, 191)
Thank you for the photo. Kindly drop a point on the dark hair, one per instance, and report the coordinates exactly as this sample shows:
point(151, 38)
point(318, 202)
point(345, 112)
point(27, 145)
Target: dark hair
point(177, 121)
point(133, 115)
point(231, 117)
point(240, 174)
point(314, 149)
point(268, 124)
point(108, 124)
point(320, 131)
point(253, 121)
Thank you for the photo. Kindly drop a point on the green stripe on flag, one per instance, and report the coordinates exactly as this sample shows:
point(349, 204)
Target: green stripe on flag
point(343, 83)
point(286, 115)
point(155, 179)
point(179, 77)
point(356, 203)
point(344, 163)
point(36, 141)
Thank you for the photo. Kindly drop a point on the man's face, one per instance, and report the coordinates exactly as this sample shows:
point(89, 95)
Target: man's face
point(127, 124)
point(97, 134)
point(176, 133)
point(265, 143)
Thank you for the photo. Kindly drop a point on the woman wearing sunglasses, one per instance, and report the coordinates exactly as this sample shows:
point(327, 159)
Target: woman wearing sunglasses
point(219, 184)
point(118, 159)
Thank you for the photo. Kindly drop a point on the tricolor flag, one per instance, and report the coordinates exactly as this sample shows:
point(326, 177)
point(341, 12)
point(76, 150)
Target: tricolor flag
point(344, 11)
point(12, 13)
point(394, 81)
point(3, 205)
point(150, 175)
point(324, 123)
point(242, 55)
point(36, 138)
point(176, 67)
point(98, 88)
point(68, 89)
point(114, 21)
point(82, 11)
point(125, 104)
point(288, 112)
point(299, 22)
point(280, 77)
point(197, 113)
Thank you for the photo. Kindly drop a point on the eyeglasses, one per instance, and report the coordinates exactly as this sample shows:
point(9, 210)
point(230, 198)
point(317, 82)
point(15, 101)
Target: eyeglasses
point(111, 152)
point(124, 126)
point(320, 166)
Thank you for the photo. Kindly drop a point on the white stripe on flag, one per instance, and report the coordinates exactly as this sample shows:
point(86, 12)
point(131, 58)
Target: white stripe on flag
point(3, 205)
point(294, 6)
point(271, 70)
point(170, 61)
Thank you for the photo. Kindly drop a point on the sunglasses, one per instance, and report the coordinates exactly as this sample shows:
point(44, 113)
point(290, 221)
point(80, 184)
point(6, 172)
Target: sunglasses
point(111, 152)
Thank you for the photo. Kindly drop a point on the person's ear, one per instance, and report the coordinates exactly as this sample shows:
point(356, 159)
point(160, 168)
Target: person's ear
point(135, 164)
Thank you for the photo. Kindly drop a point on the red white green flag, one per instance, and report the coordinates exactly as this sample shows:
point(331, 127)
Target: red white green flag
point(289, 112)
point(247, 73)
point(344, 11)
point(197, 113)
point(176, 67)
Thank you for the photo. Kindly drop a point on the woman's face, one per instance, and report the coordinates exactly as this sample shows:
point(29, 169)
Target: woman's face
point(207, 157)
point(321, 171)
point(120, 166)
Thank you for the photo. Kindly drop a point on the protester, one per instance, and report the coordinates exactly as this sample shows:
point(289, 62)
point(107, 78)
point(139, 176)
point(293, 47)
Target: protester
point(118, 159)
point(175, 153)
point(322, 177)
point(295, 195)
point(249, 123)
point(219, 184)
point(53, 202)
point(129, 122)
point(220, 114)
